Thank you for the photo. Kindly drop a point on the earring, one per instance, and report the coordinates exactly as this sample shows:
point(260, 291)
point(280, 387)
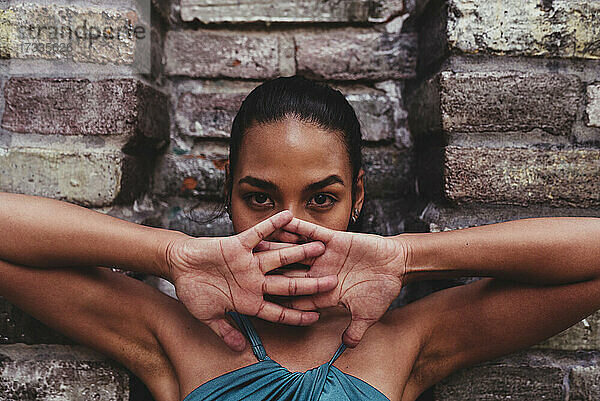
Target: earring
point(355, 215)
point(228, 210)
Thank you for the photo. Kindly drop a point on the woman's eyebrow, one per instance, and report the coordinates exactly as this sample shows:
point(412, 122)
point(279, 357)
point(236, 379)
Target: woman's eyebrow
point(268, 185)
point(259, 183)
point(332, 179)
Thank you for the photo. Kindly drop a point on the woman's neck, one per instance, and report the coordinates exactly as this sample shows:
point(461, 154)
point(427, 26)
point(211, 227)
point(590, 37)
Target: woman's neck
point(302, 348)
point(331, 323)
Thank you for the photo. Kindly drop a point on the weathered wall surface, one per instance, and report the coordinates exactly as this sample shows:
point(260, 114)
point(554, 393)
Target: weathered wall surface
point(472, 112)
point(503, 114)
point(80, 123)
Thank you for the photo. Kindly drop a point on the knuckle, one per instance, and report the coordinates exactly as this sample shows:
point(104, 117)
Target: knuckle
point(293, 287)
point(259, 233)
point(305, 252)
point(261, 307)
point(283, 258)
point(282, 316)
point(353, 337)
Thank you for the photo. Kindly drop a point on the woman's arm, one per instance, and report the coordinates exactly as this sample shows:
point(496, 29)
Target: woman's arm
point(43, 232)
point(546, 278)
point(556, 250)
point(372, 269)
point(211, 275)
point(107, 311)
point(468, 324)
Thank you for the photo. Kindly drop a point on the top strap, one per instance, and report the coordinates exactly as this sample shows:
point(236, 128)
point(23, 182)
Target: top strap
point(257, 347)
point(337, 354)
point(244, 324)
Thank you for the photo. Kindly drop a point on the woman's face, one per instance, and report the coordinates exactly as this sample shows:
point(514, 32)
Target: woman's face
point(296, 166)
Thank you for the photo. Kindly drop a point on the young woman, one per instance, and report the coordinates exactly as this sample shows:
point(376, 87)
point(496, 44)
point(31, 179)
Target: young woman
point(294, 186)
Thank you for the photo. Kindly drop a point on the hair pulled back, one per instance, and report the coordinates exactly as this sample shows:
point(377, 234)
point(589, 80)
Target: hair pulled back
point(305, 99)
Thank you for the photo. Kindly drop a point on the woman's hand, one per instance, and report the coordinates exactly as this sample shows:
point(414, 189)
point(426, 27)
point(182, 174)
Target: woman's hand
point(370, 270)
point(215, 275)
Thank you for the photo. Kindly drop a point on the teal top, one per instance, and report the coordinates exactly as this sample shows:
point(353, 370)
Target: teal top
point(268, 380)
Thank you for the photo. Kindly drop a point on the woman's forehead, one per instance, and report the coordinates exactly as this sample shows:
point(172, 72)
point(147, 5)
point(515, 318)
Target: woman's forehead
point(292, 147)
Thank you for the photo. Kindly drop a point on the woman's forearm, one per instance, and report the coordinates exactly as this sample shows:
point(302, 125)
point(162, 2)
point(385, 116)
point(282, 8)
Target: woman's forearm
point(44, 232)
point(540, 251)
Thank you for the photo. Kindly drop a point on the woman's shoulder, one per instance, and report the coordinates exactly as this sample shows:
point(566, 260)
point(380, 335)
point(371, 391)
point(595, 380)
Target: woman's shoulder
point(196, 353)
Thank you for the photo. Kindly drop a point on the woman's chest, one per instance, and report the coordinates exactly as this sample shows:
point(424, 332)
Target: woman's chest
point(373, 362)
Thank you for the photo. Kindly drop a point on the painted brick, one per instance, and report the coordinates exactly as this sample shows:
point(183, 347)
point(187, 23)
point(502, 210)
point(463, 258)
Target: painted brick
point(498, 102)
point(383, 216)
point(84, 177)
point(206, 108)
point(532, 28)
point(444, 218)
point(495, 102)
point(207, 115)
point(53, 372)
point(352, 53)
point(190, 176)
point(584, 383)
point(215, 54)
point(585, 335)
point(593, 105)
point(569, 177)
point(432, 27)
point(167, 10)
point(144, 210)
point(518, 378)
point(381, 116)
point(424, 108)
point(206, 111)
point(387, 10)
point(388, 172)
point(83, 107)
point(210, 11)
point(67, 29)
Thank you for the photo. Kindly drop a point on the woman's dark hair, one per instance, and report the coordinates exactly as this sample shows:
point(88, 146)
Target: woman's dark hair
point(305, 99)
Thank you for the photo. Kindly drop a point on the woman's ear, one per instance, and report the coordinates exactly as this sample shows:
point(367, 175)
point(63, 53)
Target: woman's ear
point(359, 191)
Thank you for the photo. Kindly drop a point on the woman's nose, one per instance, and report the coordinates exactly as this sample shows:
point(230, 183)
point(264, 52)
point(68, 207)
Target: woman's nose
point(296, 209)
point(285, 236)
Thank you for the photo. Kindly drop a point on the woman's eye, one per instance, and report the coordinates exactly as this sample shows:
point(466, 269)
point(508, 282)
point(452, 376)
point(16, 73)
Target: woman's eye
point(259, 199)
point(322, 200)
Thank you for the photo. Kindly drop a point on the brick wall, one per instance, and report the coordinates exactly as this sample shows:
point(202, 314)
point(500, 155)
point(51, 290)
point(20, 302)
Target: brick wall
point(472, 112)
point(504, 117)
point(77, 129)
